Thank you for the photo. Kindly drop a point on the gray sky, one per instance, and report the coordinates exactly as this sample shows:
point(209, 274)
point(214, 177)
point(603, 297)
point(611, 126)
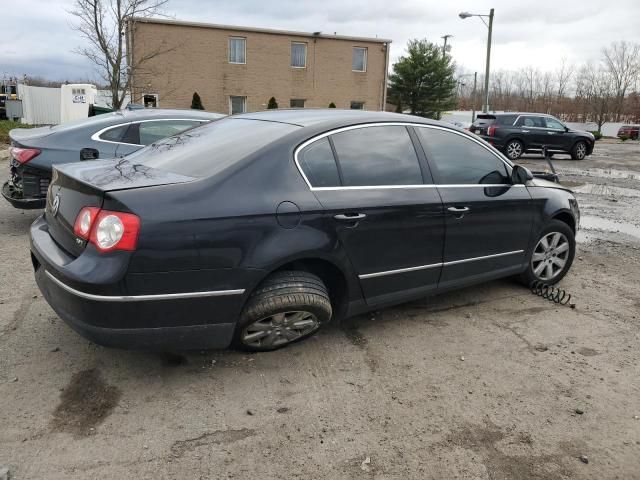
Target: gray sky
point(37, 38)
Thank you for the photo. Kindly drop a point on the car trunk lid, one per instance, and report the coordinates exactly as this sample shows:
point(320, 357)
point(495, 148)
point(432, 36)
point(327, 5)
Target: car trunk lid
point(79, 185)
point(22, 136)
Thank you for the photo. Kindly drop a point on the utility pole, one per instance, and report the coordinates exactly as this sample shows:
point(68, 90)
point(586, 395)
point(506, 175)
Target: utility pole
point(485, 108)
point(473, 101)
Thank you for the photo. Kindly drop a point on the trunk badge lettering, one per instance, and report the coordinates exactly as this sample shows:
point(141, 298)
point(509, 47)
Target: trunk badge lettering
point(55, 206)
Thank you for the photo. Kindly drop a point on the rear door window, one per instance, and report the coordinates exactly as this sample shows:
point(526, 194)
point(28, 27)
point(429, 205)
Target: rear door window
point(319, 165)
point(378, 155)
point(531, 121)
point(458, 160)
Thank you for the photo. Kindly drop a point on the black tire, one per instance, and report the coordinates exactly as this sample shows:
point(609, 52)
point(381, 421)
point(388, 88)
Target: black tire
point(281, 298)
point(554, 226)
point(579, 151)
point(514, 149)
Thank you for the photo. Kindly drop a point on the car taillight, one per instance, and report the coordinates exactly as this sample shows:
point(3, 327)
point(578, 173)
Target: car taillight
point(84, 221)
point(108, 230)
point(491, 130)
point(23, 155)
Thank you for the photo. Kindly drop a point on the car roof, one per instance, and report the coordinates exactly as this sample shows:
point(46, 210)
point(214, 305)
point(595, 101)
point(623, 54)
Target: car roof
point(500, 114)
point(149, 113)
point(333, 117)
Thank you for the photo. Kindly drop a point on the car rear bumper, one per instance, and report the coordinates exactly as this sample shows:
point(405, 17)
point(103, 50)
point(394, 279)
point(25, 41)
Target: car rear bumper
point(180, 321)
point(19, 202)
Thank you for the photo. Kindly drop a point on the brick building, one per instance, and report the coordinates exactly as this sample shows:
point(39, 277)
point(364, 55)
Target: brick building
point(237, 69)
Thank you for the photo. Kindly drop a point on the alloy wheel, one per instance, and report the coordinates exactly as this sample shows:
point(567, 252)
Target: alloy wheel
point(550, 256)
point(581, 151)
point(279, 329)
point(514, 150)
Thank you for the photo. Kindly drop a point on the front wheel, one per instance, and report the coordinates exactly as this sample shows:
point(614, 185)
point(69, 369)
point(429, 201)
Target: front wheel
point(579, 151)
point(552, 255)
point(514, 149)
point(287, 307)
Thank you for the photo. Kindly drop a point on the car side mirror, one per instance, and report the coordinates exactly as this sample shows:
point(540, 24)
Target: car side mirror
point(566, 129)
point(520, 175)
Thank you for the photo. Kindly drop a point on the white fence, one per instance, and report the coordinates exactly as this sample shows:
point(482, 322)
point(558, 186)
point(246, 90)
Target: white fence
point(40, 105)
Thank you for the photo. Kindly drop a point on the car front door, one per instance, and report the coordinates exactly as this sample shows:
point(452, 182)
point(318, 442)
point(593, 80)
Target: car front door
point(487, 219)
point(557, 137)
point(381, 204)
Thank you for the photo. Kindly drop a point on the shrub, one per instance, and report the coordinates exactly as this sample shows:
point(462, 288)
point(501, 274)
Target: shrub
point(332, 105)
point(624, 138)
point(196, 103)
point(272, 103)
point(597, 134)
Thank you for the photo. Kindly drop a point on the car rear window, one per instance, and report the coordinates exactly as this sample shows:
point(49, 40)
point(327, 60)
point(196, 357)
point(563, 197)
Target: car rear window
point(484, 119)
point(206, 150)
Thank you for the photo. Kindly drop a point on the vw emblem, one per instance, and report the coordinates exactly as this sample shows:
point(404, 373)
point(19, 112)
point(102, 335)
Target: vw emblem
point(55, 205)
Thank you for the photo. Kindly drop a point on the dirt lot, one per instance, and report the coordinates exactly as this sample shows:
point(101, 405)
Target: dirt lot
point(488, 382)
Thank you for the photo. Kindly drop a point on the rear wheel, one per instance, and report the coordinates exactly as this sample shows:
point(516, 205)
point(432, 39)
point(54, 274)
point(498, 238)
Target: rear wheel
point(287, 307)
point(514, 149)
point(552, 255)
point(579, 151)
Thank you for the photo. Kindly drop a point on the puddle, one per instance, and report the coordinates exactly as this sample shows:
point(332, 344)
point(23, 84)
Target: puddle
point(84, 403)
point(601, 189)
point(588, 222)
point(600, 172)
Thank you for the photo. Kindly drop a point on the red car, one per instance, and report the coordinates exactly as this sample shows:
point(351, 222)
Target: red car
point(629, 131)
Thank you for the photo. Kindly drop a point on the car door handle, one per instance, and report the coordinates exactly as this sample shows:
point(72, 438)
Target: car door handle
point(458, 209)
point(551, 133)
point(350, 217)
point(525, 131)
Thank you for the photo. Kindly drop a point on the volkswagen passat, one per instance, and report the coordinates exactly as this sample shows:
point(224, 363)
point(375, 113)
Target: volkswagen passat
point(256, 230)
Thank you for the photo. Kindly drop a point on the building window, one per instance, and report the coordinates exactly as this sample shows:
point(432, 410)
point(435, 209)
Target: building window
point(359, 59)
point(237, 105)
point(237, 50)
point(296, 103)
point(298, 55)
point(357, 105)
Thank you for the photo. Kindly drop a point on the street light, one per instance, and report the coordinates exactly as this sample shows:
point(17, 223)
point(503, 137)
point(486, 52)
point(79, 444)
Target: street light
point(463, 15)
point(444, 47)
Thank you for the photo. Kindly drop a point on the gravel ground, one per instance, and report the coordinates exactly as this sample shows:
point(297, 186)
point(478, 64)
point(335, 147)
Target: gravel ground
point(489, 382)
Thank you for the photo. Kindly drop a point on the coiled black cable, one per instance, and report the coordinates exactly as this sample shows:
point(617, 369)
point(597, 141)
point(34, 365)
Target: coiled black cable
point(551, 293)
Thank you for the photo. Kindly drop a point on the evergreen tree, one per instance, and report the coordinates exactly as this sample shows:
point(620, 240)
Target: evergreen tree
point(272, 103)
point(332, 105)
point(423, 80)
point(196, 103)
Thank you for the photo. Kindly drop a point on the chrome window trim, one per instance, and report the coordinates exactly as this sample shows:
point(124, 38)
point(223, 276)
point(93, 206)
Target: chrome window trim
point(400, 270)
point(434, 265)
point(390, 124)
point(96, 136)
point(141, 298)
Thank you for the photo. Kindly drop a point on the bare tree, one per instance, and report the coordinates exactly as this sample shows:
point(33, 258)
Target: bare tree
point(103, 23)
point(622, 60)
point(599, 90)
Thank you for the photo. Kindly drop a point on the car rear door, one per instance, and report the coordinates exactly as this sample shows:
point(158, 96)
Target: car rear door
point(487, 220)
point(381, 204)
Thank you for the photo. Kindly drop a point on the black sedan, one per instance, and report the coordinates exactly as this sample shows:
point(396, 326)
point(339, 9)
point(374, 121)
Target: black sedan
point(257, 229)
point(34, 151)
